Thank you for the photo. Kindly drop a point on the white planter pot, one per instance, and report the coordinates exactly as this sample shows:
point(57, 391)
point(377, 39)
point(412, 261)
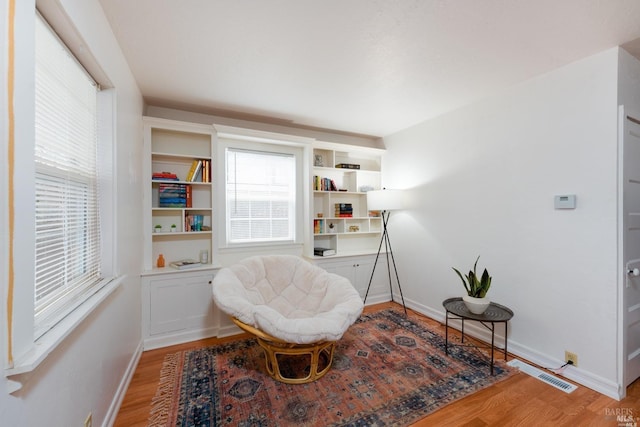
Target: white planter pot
point(476, 305)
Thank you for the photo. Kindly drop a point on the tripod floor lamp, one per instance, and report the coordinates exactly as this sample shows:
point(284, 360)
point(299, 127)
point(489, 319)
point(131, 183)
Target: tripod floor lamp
point(385, 201)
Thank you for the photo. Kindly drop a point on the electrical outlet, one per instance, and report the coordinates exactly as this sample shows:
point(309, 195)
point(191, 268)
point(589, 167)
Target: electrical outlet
point(88, 421)
point(571, 357)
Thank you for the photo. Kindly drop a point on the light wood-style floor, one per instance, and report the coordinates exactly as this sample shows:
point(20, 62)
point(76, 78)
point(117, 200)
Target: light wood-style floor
point(518, 401)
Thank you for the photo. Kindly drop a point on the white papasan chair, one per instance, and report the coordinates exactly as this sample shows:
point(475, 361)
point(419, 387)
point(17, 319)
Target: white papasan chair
point(294, 308)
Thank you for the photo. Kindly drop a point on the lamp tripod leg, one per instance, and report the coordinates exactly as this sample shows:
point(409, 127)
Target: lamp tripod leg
point(374, 267)
point(387, 245)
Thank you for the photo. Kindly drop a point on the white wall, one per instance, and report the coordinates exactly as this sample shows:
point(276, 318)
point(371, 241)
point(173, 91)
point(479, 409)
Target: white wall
point(629, 81)
point(482, 181)
point(86, 371)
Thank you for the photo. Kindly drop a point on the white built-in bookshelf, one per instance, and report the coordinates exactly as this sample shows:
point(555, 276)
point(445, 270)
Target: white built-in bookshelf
point(341, 178)
point(178, 203)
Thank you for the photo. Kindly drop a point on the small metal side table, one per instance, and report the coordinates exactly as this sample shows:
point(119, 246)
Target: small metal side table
point(495, 313)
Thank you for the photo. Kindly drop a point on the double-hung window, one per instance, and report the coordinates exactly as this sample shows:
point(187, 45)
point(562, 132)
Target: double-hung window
point(263, 188)
point(261, 196)
point(67, 208)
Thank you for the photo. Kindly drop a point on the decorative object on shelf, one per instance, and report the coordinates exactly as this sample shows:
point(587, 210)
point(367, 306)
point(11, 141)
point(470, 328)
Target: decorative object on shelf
point(204, 257)
point(157, 229)
point(185, 264)
point(365, 188)
point(318, 161)
point(386, 201)
point(174, 228)
point(354, 228)
point(475, 300)
point(160, 261)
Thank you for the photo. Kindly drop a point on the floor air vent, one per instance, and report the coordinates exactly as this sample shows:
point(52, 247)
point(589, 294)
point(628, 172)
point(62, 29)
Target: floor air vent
point(542, 376)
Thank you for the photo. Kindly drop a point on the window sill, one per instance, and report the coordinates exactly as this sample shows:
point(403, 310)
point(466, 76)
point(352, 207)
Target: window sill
point(56, 335)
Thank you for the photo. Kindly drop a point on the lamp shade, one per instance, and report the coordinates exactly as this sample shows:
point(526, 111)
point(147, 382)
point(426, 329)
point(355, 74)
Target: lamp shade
point(385, 200)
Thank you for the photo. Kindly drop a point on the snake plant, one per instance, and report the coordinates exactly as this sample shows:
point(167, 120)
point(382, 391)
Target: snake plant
point(475, 287)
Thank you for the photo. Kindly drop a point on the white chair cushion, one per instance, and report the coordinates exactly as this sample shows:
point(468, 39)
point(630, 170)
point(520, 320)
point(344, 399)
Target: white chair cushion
point(288, 298)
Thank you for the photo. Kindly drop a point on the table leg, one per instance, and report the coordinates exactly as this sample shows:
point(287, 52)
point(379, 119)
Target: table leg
point(506, 332)
point(462, 321)
point(493, 333)
point(446, 334)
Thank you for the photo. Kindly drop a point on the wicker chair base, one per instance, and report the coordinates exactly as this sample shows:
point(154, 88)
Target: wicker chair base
point(319, 356)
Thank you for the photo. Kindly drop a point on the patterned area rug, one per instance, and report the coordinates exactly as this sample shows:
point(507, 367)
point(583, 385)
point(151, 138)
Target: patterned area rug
point(388, 370)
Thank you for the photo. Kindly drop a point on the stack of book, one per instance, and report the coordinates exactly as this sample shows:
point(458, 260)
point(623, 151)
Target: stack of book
point(344, 210)
point(323, 251)
point(164, 176)
point(185, 264)
point(174, 195)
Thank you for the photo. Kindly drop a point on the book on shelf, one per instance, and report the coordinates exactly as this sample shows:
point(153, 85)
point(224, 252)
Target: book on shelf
point(324, 184)
point(173, 195)
point(324, 251)
point(189, 197)
point(197, 172)
point(343, 210)
point(192, 171)
point(348, 166)
point(164, 176)
point(194, 223)
point(185, 264)
point(206, 171)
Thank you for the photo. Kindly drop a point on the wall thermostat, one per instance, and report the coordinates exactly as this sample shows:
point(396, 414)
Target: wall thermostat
point(567, 201)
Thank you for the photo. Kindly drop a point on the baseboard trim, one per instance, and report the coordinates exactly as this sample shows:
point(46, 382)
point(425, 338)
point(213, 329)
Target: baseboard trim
point(578, 375)
point(179, 338)
point(230, 330)
point(118, 398)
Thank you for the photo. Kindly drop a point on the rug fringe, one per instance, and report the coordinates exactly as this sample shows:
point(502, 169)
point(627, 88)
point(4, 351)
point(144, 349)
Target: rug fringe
point(161, 404)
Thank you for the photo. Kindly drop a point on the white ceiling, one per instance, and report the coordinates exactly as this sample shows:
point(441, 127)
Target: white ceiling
point(372, 67)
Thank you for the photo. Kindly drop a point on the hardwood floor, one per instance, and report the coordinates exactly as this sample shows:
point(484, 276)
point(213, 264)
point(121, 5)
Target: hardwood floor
point(518, 401)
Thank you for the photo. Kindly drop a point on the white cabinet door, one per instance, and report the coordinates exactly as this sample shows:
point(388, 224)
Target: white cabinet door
point(358, 271)
point(166, 306)
point(177, 308)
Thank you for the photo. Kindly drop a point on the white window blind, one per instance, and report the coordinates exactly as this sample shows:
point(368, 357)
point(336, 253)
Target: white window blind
point(67, 227)
point(260, 196)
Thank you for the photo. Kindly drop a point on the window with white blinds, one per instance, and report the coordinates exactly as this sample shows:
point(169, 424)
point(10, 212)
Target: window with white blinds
point(260, 196)
point(67, 214)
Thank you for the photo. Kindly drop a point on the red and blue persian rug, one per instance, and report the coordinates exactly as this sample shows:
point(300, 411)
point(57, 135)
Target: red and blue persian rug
point(388, 370)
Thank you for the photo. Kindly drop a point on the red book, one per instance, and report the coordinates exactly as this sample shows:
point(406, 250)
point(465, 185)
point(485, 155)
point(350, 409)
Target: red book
point(189, 196)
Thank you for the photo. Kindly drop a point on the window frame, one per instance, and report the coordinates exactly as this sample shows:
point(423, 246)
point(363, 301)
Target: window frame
point(25, 351)
point(292, 202)
point(69, 186)
point(227, 137)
